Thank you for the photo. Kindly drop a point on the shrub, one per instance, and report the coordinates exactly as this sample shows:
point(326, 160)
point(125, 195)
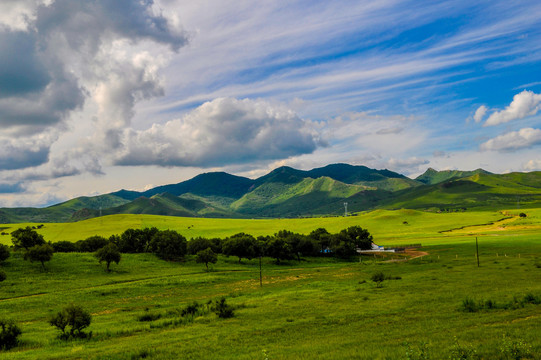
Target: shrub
point(64, 247)
point(515, 349)
point(222, 309)
point(190, 309)
point(522, 215)
point(149, 317)
point(205, 257)
point(8, 334)
point(462, 352)
point(4, 252)
point(469, 305)
point(378, 278)
point(71, 321)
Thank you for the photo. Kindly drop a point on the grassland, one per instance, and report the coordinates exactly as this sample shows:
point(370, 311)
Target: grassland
point(316, 308)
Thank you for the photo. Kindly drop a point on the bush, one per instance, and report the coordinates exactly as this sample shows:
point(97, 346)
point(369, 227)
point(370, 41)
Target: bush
point(522, 215)
point(4, 252)
point(205, 257)
point(64, 247)
point(2, 276)
point(8, 334)
point(469, 305)
point(222, 309)
point(378, 278)
point(71, 321)
point(462, 352)
point(515, 349)
point(147, 316)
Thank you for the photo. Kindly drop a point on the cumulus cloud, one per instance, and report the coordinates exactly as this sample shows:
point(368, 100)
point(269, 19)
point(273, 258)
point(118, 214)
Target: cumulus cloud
point(514, 140)
point(407, 166)
point(480, 113)
point(220, 132)
point(55, 55)
point(532, 165)
point(526, 103)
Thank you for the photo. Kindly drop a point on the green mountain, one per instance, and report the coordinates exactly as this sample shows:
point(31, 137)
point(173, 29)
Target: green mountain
point(432, 176)
point(288, 192)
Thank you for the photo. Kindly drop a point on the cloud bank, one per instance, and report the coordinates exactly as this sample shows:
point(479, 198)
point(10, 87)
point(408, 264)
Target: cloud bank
point(221, 132)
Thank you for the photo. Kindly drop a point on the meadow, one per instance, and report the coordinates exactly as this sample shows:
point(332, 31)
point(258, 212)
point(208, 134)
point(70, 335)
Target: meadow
point(316, 308)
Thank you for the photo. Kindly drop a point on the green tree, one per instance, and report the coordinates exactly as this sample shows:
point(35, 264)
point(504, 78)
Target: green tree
point(240, 245)
point(205, 257)
point(322, 237)
point(198, 244)
point(108, 254)
point(4, 252)
point(346, 242)
point(378, 278)
point(9, 332)
point(41, 253)
point(71, 321)
point(92, 243)
point(278, 249)
point(169, 245)
point(26, 238)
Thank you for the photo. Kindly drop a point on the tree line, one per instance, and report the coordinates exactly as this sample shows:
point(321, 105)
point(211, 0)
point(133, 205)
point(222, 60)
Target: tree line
point(172, 246)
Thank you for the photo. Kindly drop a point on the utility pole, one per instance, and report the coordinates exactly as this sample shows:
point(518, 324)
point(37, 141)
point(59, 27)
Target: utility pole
point(345, 209)
point(477, 250)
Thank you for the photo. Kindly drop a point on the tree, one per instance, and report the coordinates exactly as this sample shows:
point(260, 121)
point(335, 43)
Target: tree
point(92, 243)
point(206, 256)
point(279, 249)
point(322, 237)
point(345, 243)
point(4, 252)
point(26, 238)
point(65, 246)
point(109, 253)
point(9, 332)
point(378, 278)
point(198, 244)
point(168, 245)
point(71, 321)
point(241, 245)
point(39, 253)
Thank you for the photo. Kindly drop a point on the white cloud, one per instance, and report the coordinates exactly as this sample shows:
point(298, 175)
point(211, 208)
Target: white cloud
point(480, 113)
point(514, 140)
point(526, 103)
point(219, 132)
point(532, 165)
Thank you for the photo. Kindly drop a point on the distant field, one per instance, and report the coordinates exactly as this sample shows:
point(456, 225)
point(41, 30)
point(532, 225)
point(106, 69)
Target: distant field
point(388, 227)
point(316, 308)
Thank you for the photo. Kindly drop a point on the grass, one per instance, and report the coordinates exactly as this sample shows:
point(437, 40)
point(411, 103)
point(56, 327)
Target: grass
point(316, 308)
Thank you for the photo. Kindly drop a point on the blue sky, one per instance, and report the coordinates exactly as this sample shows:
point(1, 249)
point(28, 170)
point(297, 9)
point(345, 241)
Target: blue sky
point(98, 96)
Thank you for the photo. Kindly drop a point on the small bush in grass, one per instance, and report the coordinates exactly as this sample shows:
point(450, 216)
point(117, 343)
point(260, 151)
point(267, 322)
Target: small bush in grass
point(469, 305)
point(222, 309)
point(462, 352)
point(515, 349)
point(378, 278)
point(532, 299)
point(4, 252)
point(149, 317)
point(421, 353)
point(191, 309)
point(9, 332)
point(71, 321)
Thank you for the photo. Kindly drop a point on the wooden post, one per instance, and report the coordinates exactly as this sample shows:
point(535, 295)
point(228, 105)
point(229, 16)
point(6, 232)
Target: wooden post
point(477, 250)
point(260, 274)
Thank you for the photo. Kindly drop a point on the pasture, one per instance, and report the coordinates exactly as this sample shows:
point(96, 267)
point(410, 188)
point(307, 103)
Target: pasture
point(315, 308)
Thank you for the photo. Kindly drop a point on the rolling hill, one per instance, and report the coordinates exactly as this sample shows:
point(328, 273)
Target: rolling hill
point(288, 192)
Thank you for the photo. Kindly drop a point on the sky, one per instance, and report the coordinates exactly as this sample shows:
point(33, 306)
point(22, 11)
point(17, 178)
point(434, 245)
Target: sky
point(98, 96)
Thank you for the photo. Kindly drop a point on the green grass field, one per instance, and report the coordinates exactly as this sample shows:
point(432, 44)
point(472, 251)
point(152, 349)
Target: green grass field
point(317, 308)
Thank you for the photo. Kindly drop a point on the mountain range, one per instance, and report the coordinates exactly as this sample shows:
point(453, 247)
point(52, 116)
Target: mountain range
point(288, 192)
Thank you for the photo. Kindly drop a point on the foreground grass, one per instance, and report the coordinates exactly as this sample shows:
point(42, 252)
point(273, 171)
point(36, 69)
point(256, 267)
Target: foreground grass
point(318, 308)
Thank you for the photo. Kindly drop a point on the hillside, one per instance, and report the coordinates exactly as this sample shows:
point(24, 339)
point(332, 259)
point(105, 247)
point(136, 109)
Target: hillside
point(289, 192)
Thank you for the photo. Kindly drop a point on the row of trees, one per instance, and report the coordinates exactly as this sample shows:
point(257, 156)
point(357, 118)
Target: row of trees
point(172, 246)
point(283, 245)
